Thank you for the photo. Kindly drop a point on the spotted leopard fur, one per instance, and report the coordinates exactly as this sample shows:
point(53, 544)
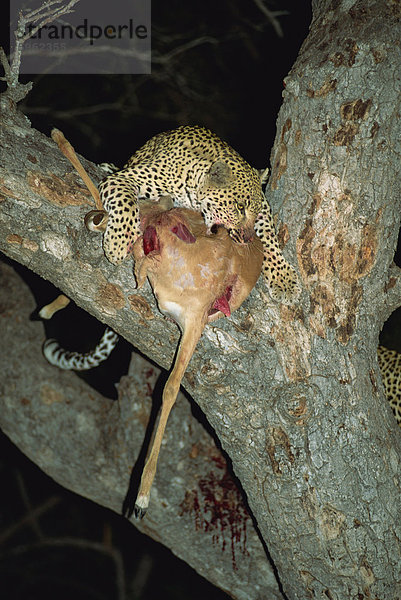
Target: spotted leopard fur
point(75, 361)
point(390, 368)
point(199, 171)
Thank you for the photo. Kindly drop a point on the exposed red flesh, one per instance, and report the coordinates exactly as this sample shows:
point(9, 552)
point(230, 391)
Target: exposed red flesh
point(183, 233)
point(222, 302)
point(150, 240)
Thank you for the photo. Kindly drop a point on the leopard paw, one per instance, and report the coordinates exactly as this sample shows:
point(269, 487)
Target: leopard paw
point(283, 282)
point(119, 240)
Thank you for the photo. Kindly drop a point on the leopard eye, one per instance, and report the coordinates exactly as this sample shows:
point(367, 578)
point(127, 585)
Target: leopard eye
point(241, 207)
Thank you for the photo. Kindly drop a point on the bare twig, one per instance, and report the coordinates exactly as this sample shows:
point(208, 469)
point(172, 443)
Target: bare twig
point(43, 15)
point(16, 90)
point(6, 66)
point(272, 16)
point(29, 517)
point(46, 13)
point(165, 58)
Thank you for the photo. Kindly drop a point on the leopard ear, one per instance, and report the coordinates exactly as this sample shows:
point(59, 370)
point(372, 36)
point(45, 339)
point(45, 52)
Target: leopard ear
point(220, 174)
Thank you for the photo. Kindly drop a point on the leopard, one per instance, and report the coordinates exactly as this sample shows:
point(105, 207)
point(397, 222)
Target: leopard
point(390, 369)
point(198, 170)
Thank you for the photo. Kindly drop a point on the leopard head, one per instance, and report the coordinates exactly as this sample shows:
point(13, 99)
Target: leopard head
point(232, 198)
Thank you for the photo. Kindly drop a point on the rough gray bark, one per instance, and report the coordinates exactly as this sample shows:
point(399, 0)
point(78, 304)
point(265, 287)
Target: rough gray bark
point(293, 393)
point(336, 164)
point(90, 444)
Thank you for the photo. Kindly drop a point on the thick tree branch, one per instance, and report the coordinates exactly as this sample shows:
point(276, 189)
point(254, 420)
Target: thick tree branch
point(89, 444)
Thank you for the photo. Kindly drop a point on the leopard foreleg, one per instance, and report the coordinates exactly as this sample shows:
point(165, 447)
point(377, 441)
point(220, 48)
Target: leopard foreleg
point(280, 276)
point(119, 195)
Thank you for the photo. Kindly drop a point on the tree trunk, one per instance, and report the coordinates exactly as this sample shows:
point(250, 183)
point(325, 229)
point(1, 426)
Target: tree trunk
point(293, 393)
point(331, 507)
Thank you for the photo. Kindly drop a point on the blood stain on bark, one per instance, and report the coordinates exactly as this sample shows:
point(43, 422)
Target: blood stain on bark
point(347, 323)
point(219, 509)
point(14, 238)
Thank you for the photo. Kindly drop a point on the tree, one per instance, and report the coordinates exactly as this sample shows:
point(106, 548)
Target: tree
point(293, 393)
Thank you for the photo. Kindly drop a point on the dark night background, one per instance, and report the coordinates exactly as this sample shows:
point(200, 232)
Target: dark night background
point(231, 82)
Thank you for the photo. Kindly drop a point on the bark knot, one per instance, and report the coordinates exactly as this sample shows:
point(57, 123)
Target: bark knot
point(110, 297)
point(351, 114)
point(62, 192)
point(139, 305)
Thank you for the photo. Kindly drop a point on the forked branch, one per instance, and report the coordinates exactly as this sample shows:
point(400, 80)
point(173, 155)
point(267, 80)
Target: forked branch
point(46, 13)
